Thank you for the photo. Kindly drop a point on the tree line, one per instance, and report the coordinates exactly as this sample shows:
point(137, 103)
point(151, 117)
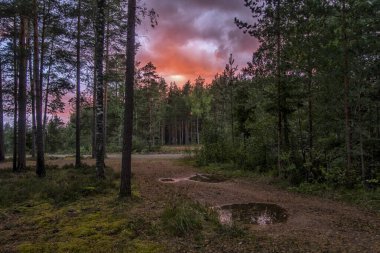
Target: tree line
point(307, 106)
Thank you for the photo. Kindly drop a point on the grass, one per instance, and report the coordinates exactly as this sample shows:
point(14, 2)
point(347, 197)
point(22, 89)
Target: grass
point(369, 199)
point(60, 186)
point(183, 217)
point(72, 211)
point(68, 211)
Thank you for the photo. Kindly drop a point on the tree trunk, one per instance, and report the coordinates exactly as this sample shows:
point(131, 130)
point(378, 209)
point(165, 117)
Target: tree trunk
point(279, 88)
point(93, 137)
point(99, 48)
point(43, 33)
point(15, 95)
point(78, 96)
point(40, 166)
point(362, 161)
point(198, 130)
point(2, 150)
point(346, 82)
point(125, 179)
point(377, 121)
point(33, 100)
point(21, 161)
point(47, 86)
point(106, 82)
point(310, 113)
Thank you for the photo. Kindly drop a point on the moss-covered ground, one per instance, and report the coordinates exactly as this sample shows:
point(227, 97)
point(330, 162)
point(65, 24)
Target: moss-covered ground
point(72, 211)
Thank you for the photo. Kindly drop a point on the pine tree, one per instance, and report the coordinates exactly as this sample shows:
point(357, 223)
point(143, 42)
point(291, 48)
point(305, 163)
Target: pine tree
point(21, 156)
point(2, 150)
point(40, 165)
point(99, 53)
point(78, 96)
point(126, 167)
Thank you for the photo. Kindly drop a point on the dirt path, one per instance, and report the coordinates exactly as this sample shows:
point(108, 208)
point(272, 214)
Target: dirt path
point(314, 224)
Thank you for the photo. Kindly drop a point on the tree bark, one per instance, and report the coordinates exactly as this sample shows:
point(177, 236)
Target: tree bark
point(310, 111)
point(93, 136)
point(99, 48)
point(44, 21)
point(47, 86)
point(198, 130)
point(78, 96)
point(2, 150)
point(346, 83)
point(15, 94)
point(106, 82)
point(33, 100)
point(40, 165)
point(21, 161)
point(279, 86)
point(125, 179)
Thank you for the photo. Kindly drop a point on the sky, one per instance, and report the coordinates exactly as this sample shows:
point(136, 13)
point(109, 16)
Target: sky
point(195, 38)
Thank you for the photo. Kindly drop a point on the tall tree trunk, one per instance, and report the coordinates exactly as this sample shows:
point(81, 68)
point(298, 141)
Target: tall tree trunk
point(15, 95)
point(40, 166)
point(346, 82)
point(310, 112)
point(107, 61)
point(47, 86)
point(43, 33)
point(78, 96)
point(93, 128)
point(279, 86)
point(2, 150)
point(377, 121)
point(99, 48)
point(125, 179)
point(187, 132)
point(21, 161)
point(33, 100)
point(362, 161)
point(198, 130)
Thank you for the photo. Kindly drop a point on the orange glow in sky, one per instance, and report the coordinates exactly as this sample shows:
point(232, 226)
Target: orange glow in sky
point(195, 38)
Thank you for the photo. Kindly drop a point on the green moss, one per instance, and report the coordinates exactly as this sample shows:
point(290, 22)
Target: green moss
point(87, 217)
point(36, 248)
point(147, 247)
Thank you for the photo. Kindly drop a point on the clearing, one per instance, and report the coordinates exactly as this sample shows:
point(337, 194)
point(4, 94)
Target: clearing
point(313, 224)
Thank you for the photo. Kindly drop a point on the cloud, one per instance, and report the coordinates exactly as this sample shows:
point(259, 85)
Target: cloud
point(195, 37)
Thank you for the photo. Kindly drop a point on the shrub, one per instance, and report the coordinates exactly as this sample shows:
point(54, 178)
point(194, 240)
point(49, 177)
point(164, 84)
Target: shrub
point(183, 216)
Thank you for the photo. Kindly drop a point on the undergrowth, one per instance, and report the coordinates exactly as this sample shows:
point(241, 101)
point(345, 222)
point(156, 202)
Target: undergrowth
point(61, 185)
point(181, 217)
point(369, 199)
point(70, 210)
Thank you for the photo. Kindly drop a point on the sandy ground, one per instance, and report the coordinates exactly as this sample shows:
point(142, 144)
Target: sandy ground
point(316, 224)
point(334, 226)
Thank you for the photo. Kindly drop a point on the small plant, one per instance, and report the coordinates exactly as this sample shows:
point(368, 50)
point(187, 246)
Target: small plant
point(183, 216)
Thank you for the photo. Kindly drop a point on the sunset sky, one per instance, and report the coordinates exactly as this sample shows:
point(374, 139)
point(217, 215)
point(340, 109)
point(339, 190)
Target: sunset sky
point(195, 37)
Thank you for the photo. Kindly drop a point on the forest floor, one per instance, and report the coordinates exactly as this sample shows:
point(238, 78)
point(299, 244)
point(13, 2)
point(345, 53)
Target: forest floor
point(104, 223)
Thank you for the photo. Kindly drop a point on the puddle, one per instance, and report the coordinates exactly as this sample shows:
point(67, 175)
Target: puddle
point(206, 178)
point(252, 213)
point(171, 180)
point(166, 180)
